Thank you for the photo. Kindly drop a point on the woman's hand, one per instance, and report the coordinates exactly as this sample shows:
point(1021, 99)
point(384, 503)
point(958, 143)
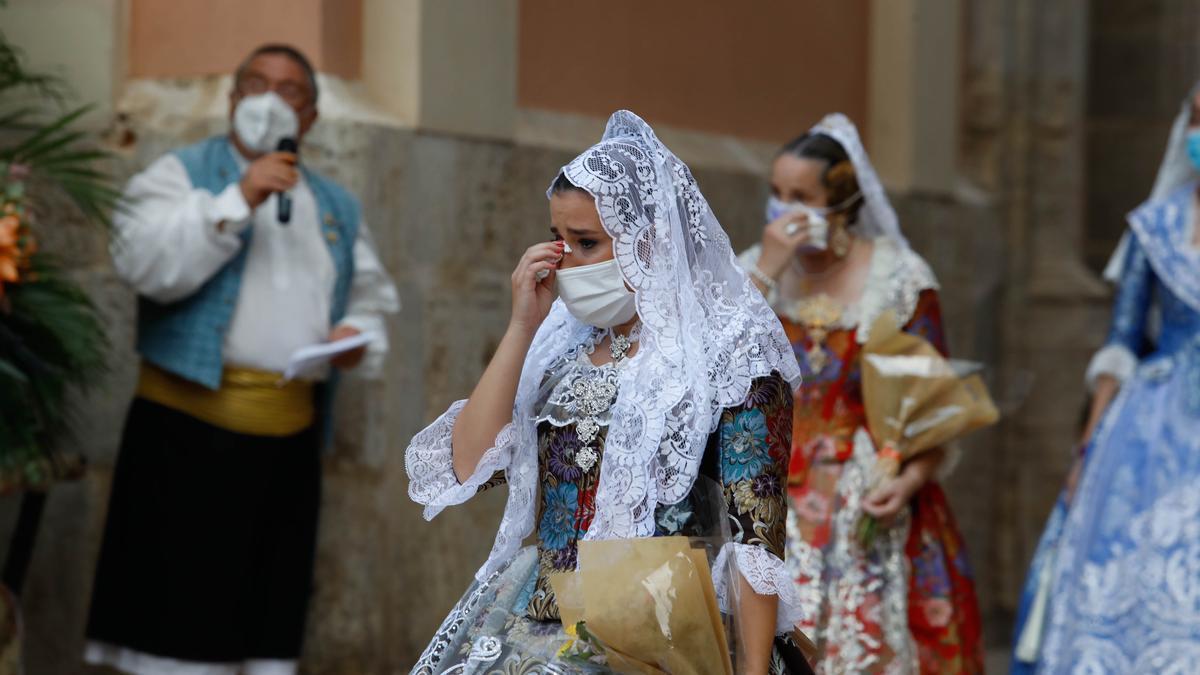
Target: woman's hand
point(781, 239)
point(885, 501)
point(531, 296)
point(490, 406)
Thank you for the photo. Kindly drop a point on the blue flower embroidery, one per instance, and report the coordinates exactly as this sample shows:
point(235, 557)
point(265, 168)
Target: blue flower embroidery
point(557, 527)
point(745, 451)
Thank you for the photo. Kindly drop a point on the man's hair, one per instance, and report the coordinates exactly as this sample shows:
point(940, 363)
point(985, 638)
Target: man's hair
point(286, 50)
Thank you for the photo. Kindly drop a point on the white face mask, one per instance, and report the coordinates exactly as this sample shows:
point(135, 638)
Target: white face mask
point(596, 294)
point(262, 120)
point(818, 225)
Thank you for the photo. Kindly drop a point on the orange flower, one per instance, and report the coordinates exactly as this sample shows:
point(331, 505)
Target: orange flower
point(16, 247)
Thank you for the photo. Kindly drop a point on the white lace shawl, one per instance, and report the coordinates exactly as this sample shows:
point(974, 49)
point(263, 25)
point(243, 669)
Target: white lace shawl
point(706, 335)
point(895, 279)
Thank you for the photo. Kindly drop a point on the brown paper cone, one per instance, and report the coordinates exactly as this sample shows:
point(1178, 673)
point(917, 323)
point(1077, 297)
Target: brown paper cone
point(700, 561)
point(917, 411)
point(644, 598)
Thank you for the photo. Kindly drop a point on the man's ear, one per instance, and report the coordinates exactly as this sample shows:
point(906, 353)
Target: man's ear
point(308, 119)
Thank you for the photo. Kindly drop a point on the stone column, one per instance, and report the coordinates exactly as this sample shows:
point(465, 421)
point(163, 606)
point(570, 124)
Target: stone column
point(913, 93)
point(444, 65)
point(1023, 147)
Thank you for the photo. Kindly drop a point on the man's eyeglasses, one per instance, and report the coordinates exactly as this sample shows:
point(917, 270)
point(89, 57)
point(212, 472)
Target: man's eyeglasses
point(294, 94)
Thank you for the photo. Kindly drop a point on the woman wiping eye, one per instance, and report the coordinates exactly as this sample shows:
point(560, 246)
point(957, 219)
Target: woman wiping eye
point(606, 363)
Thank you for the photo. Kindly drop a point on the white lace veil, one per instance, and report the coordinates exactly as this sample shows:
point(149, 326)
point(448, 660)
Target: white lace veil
point(1176, 170)
point(706, 334)
point(877, 217)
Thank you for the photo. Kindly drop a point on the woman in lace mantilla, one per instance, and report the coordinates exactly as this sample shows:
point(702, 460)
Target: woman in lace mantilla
point(1114, 586)
point(658, 364)
point(831, 261)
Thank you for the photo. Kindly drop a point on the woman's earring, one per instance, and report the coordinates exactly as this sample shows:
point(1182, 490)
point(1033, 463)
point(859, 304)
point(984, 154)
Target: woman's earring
point(839, 240)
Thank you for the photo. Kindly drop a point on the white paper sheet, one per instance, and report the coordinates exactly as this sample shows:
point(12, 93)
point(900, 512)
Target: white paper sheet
point(307, 357)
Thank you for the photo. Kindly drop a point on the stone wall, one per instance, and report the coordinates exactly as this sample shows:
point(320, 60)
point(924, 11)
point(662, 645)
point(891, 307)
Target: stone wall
point(1143, 60)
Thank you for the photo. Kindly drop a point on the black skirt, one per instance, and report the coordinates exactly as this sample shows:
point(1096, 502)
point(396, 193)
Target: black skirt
point(209, 546)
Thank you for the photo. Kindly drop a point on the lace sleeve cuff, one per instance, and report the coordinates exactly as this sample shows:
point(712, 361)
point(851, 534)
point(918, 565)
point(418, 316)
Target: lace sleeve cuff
point(429, 462)
point(1115, 360)
point(766, 574)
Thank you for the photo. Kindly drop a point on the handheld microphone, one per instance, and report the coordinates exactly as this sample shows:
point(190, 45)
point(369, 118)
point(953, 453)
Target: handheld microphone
point(286, 144)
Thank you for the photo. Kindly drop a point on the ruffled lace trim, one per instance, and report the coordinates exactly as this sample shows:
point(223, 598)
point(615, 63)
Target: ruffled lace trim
point(897, 277)
point(1115, 360)
point(429, 462)
point(767, 575)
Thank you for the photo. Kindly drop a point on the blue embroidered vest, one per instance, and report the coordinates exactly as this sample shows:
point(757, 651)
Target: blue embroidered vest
point(187, 337)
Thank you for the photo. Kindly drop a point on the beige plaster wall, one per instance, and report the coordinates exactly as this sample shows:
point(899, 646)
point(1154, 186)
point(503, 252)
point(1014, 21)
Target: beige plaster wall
point(93, 63)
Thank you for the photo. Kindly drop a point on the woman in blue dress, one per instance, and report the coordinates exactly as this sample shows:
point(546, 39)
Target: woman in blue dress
point(1115, 583)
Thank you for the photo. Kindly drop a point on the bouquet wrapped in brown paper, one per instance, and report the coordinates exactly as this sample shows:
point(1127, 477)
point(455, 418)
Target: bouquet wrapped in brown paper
point(644, 606)
point(915, 400)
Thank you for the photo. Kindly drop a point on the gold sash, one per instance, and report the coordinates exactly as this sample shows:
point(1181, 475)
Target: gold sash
point(252, 402)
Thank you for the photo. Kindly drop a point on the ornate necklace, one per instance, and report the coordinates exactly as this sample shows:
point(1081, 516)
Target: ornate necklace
point(619, 345)
point(595, 394)
point(818, 315)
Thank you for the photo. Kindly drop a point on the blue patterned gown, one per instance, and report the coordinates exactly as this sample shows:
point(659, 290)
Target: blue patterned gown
point(1126, 564)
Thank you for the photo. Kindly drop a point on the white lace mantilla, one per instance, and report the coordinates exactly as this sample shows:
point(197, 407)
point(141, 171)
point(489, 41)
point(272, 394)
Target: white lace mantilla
point(877, 219)
point(895, 279)
point(706, 336)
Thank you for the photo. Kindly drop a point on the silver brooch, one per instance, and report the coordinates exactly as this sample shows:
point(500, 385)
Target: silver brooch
point(586, 457)
point(593, 397)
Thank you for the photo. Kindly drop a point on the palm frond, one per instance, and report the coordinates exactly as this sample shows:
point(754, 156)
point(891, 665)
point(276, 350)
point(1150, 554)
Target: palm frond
point(53, 135)
point(64, 157)
point(52, 337)
point(19, 119)
point(14, 76)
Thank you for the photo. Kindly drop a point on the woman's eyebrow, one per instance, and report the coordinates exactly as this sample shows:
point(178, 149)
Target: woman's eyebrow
point(575, 231)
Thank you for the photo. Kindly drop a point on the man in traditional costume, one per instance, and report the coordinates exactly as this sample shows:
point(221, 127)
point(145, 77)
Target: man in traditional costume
point(241, 255)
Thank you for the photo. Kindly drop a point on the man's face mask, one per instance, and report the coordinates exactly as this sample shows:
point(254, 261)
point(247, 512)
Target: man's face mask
point(262, 120)
point(596, 294)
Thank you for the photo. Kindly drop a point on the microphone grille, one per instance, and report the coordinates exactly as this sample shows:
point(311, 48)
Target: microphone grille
point(287, 144)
